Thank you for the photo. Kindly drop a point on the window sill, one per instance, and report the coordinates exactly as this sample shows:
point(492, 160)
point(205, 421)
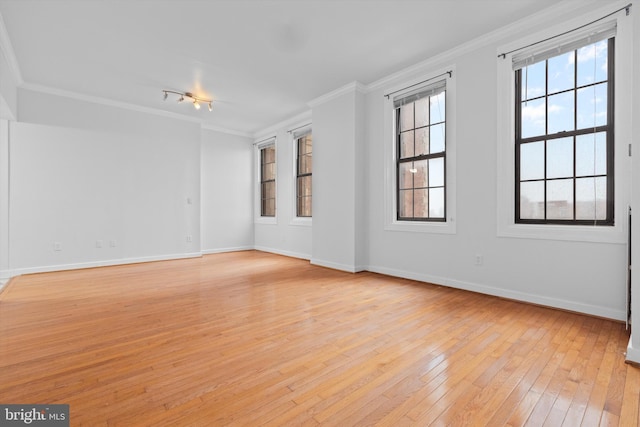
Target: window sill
point(302, 221)
point(448, 227)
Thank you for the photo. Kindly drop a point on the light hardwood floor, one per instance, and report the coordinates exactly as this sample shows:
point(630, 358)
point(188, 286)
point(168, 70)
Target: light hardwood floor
point(250, 338)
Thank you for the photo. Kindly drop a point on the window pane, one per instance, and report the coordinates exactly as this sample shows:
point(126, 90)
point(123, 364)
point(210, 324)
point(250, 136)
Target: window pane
point(591, 154)
point(560, 158)
point(561, 113)
point(561, 74)
point(304, 164)
point(420, 175)
point(533, 81)
point(304, 186)
point(437, 138)
point(438, 109)
point(592, 63)
point(307, 144)
point(406, 117)
point(269, 190)
point(268, 155)
point(560, 199)
point(533, 118)
point(308, 206)
point(422, 141)
point(436, 202)
point(436, 172)
point(591, 198)
point(268, 171)
point(532, 200)
point(406, 145)
point(405, 180)
point(406, 203)
point(532, 160)
point(269, 207)
point(422, 112)
point(421, 203)
point(304, 206)
point(592, 106)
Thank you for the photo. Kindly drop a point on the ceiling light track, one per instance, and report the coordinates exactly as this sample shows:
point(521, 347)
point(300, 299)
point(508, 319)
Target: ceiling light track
point(196, 100)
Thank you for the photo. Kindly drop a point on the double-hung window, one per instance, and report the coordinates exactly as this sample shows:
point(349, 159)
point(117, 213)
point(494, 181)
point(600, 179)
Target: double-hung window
point(304, 169)
point(564, 146)
point(268, 180)
point(420, 132)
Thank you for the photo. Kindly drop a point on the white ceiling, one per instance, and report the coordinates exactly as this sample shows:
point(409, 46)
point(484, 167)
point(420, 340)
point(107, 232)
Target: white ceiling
point(261, 61)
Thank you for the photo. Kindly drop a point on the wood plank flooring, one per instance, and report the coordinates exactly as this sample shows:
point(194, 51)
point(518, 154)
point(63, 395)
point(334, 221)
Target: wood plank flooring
point(257, 339)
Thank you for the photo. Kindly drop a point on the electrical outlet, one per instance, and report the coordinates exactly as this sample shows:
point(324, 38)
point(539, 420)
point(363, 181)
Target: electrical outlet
point(112, 243)
point(57, 246)
point(479, 259)
point(189, 239)
point(99, 243)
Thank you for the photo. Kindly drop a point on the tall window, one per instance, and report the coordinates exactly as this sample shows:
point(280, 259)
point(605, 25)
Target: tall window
point(421, 148)
point(268, 180)
point(564, 135)
point(304, 145)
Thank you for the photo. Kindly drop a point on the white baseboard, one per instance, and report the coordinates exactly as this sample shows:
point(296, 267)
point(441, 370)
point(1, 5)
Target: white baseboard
point(593, 310)
point(282, 252)
point(338, 266)
point(633, 354)
point(223, 250)
point(104, 263)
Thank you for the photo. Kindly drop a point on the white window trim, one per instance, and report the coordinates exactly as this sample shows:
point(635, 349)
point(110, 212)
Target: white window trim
point(391, 223)
point(258, 218)
point(300, 130)
point(506, 225)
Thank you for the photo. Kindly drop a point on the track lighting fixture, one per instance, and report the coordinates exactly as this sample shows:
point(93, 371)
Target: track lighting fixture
point(188, 95)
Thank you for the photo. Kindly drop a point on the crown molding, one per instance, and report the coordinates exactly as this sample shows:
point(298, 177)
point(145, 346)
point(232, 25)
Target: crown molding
point(214, 128)
point(535, 21)
point(295, 120)
point(7, 50)
point(104, 101)
point(354, 86)
point(127, 106)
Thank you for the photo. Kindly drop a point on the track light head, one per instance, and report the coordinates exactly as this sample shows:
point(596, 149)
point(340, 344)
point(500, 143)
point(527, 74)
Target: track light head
point(196, 100)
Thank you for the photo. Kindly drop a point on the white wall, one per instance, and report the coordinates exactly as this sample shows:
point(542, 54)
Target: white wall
point(8, 86)
point(575, 275)
point(576, 271)
point(284, 234)
point(633, 352)
point(338, 181)
point(227, 192)
point(87, 175)
point(4, 202)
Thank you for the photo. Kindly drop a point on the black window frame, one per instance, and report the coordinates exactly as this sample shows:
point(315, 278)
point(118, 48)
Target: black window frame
point(301, 139)
point(610, 146)
point(264, 182)
point(439, 87)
